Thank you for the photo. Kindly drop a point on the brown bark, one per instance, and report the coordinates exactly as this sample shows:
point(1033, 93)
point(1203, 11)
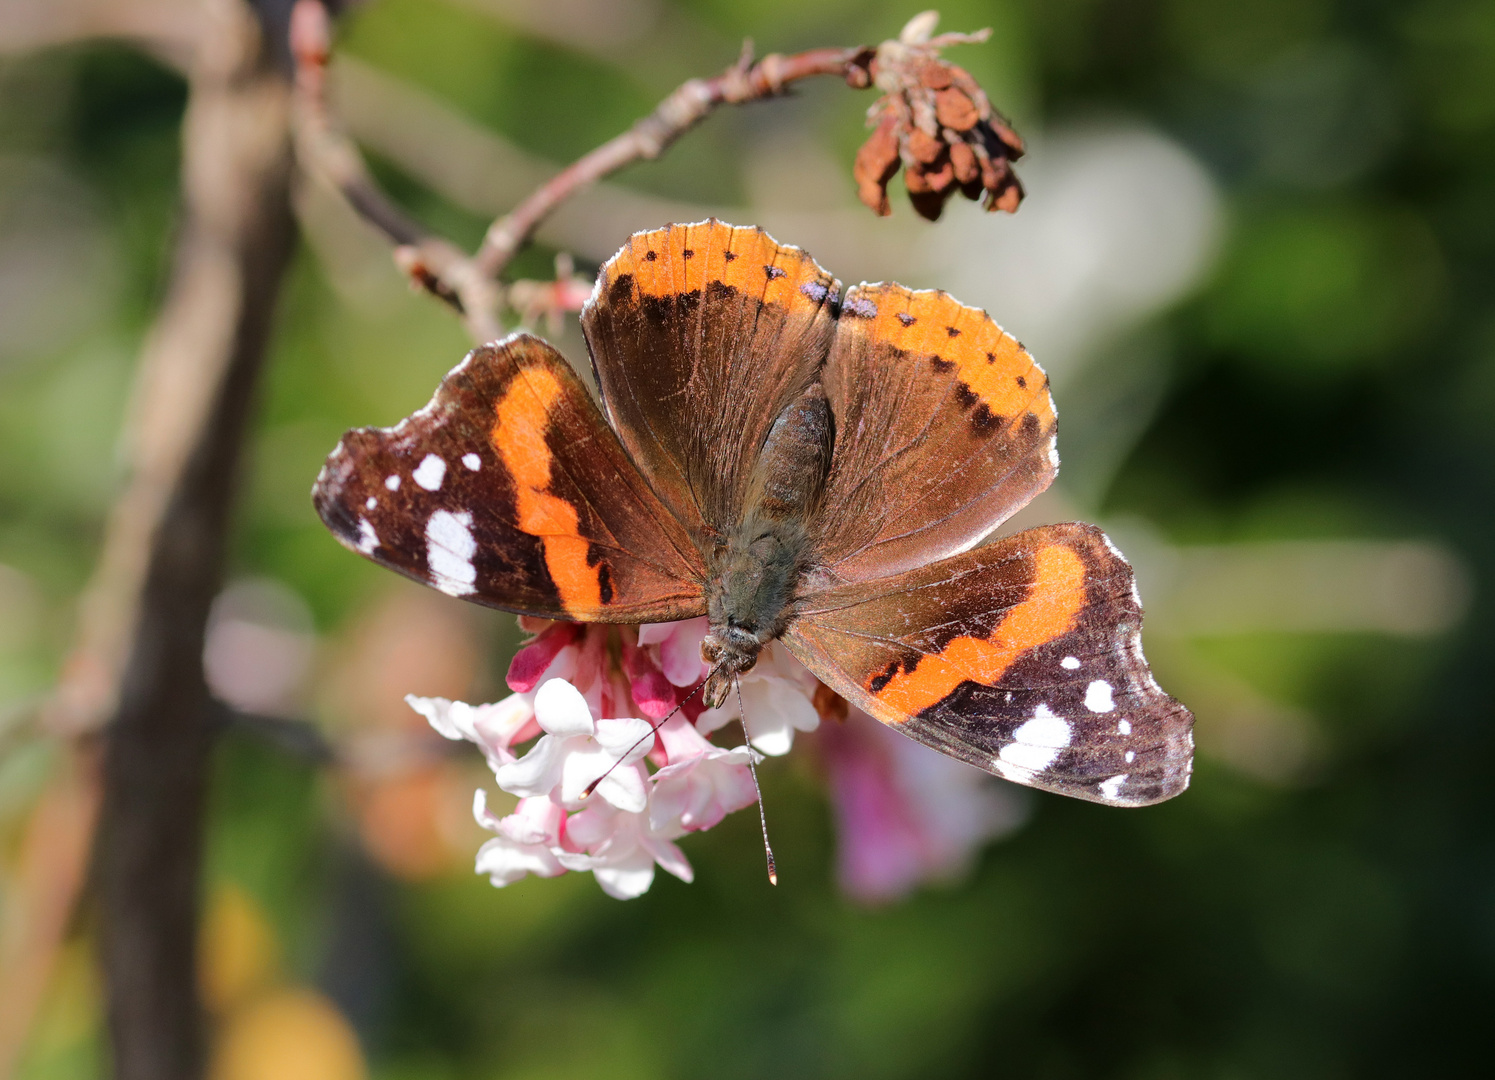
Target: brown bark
point(196, 387)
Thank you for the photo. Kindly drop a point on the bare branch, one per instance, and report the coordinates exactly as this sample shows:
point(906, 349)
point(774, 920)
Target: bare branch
point(168, 28)
point(138, 662)
point(470, 284)
point(744, 81)
point(434, 264)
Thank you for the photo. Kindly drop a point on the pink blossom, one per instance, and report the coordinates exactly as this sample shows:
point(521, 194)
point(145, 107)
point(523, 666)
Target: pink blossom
point(702, 782)
point(778, 695)
point(552, 653)
point(577, 752)
point(526, 842)
point(678, 645)
point(621, 849)
point(906, 814)
point(494, 728)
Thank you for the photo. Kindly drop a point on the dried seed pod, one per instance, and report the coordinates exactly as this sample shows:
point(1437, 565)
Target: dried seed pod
point(936, 121)
point(963, 158)
point(934, 75)
point(956, 110)
point(877, 161)
point(924, 147)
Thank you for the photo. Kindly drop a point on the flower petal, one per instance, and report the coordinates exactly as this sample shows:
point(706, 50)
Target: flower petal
point(773, 735)
point(535, 659)
point(505, 862)
point(680, 653)
point(451, 719)
point(480, 812)
point(561, 709)
point(504, 722)
point(534, 821)
point(652, 633)
point(583, 766)
point(537, 772)
point(670, 857)
point(592, 827)
point(624, 787)
point(626, 738)
point(629, 877)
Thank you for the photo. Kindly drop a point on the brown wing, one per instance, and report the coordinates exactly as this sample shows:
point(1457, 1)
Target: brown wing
point(1023, 658)
point(944, 429)
point(700, 336)
point(510, 490)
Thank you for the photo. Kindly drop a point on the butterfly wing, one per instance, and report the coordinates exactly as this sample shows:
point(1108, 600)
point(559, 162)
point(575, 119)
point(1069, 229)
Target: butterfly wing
point(1022, 657)
point(700, 336)
point(510, 490)
point(944, 429)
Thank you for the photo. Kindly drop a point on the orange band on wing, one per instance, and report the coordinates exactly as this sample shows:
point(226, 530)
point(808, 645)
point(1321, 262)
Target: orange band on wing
point(684, 259)
point(1056, 597)
point(519, 437)
point(988, 360)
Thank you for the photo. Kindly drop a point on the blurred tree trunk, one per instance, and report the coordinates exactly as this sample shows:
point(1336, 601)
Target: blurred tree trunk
point(193, 397)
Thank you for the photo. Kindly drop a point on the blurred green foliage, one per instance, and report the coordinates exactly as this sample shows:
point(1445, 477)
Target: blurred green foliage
point(1335, 376)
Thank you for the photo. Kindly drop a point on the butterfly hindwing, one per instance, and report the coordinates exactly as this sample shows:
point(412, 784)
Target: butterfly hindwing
point(944, 429)
point(1022, 657)
point(700, 335)
point(510, 490)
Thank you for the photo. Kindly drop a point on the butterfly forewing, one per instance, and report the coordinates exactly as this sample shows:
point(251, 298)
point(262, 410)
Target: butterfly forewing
point(944, 429)
point(510, 490)
point(1022, 657)
point(700, 336)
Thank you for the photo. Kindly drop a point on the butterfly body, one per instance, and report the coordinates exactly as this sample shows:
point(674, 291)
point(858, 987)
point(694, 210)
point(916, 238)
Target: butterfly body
point(756, 572)
point(797, 465)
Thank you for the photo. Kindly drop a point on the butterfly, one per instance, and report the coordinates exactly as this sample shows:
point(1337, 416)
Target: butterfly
point(798, 465)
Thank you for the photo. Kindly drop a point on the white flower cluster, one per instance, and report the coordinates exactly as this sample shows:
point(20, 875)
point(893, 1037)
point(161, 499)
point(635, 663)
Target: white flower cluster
point(587, 797)
point(608, 787)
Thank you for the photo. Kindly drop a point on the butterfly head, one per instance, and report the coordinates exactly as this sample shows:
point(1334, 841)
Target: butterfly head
point(730, 649)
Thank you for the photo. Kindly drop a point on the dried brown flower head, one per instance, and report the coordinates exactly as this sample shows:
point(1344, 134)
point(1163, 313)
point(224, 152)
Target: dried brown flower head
point(935, 122)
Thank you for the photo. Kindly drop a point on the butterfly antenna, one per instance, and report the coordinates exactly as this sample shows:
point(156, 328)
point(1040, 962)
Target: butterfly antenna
point(773, 872)
point(587, 791)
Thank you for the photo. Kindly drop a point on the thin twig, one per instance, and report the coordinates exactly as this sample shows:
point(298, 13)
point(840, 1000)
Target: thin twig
point(470, 284)
point(689, 104)
point(324, 150)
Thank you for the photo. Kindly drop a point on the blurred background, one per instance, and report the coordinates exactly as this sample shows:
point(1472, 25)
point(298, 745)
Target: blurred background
point(1257, 257)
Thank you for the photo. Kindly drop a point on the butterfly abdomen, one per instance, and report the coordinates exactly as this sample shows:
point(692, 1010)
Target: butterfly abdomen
point(756, 569)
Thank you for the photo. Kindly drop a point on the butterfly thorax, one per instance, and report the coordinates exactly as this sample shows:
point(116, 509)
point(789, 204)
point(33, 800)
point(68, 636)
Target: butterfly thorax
point(756, 567)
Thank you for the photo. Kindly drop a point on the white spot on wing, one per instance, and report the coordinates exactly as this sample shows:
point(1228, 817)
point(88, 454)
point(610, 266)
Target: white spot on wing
point(1098, 696)
point(430, 472)
point(1069, 663)
point(368, 539)
point(1124, 727)
point(449, 551)
point(1011, 772)
point(370, 503)
point(392, 482)
point(1131, 756)
point(1111, 789)
point(472, 461)
point(1037, 742)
